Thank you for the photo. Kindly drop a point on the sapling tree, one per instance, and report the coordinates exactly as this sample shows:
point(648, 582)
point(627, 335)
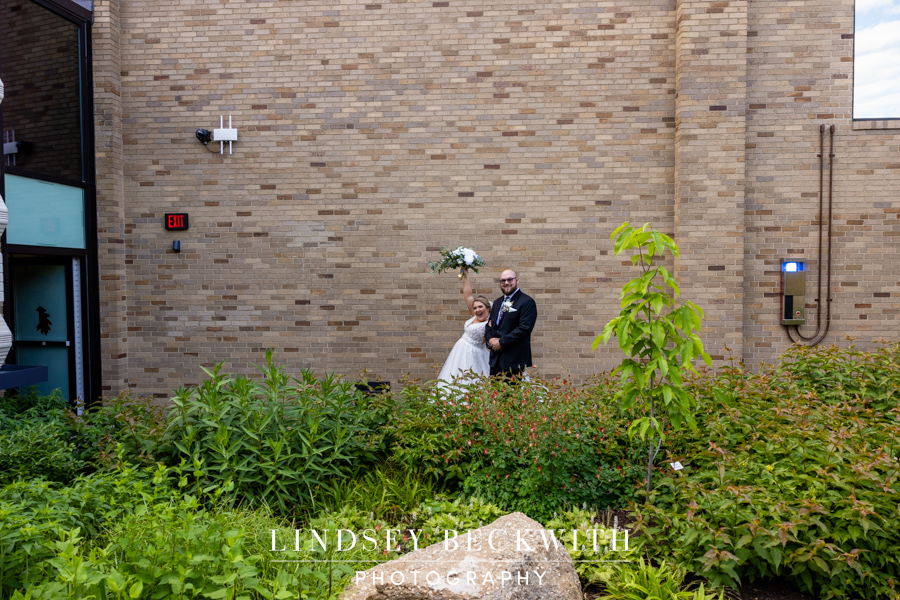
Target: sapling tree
point(659, 340)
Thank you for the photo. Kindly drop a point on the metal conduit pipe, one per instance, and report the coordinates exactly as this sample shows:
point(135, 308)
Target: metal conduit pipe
point(820, 334)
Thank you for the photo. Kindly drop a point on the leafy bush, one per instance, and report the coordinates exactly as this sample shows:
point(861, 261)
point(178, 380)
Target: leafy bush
point(387, 491)
point(118, 430)
point(30, 404)
point(278, 441)
point(43, 436)
point(417, 435)
point(542, 447)
point(795, 473)
point(33, 513)
point(35, 440)
point(37, 448)
point(644, 581)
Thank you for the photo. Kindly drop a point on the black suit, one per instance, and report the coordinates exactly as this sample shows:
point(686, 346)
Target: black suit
point(514, 332)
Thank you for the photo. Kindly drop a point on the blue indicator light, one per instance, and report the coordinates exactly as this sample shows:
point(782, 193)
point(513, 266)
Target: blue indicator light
point(791, 267)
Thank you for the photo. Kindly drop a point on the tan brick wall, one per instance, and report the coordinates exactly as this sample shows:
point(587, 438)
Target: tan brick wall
point(372, 134)
point(800, 66)
point(710, 121)
point(108, 131)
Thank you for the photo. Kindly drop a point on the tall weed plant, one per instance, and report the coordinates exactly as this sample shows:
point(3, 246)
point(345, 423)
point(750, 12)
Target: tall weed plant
point(794, 473)
point(278, 441)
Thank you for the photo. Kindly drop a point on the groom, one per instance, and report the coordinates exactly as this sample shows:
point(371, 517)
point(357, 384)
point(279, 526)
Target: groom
point(508, 332)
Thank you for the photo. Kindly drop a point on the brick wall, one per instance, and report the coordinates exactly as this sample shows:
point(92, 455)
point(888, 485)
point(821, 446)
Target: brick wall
point(108, 132)
point(372, 134)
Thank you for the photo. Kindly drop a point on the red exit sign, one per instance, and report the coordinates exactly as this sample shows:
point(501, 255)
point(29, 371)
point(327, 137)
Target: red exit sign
point(176, 221)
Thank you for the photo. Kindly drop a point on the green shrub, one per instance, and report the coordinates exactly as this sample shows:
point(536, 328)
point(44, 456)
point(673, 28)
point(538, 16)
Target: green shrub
point(542, 447)
point(35, 440)
point(36, 448)
point(387, 491)
point(795, 474)
point(33, 513)
point(44, 436)
point(30, 404)
point(644, 581)
point(118, 430)
point(278, 441)
point(417, 435)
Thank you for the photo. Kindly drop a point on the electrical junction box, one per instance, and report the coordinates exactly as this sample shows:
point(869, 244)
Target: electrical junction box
point(793, 292)
point(227, 134)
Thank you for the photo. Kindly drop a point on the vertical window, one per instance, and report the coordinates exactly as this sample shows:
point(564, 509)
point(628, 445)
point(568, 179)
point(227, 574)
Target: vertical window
point(876, 60)
point(40, 55)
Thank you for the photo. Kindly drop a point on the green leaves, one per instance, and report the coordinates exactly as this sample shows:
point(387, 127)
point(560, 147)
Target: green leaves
point(657, 338)
point(790, 475)
point(539, 446)
point(276, 439)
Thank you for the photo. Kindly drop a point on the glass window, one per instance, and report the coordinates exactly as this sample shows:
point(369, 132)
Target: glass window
point(43, 213)
point(39, 56)
point(876, 66)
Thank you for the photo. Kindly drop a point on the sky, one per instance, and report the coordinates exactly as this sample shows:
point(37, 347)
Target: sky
point(876, 71)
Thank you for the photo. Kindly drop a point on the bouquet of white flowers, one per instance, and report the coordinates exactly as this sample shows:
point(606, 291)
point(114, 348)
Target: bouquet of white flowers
point(460, 258)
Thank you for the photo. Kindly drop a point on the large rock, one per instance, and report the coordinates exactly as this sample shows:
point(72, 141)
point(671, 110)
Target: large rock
point(508, 559)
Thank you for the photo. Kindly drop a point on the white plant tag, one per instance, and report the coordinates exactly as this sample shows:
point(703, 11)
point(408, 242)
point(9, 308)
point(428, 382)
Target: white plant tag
point(677, 465)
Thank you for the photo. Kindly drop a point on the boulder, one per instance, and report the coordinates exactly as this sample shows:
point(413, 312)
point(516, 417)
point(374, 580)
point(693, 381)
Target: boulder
point(510, 559)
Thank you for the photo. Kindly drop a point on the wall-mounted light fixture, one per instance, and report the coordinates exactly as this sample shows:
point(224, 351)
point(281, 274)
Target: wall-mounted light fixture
point(176, 245)
point(204, 136)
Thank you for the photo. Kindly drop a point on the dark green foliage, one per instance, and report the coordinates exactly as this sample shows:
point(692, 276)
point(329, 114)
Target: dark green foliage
point(43, 436)
point(419, 440)
point(538, 447)
point(32, 513)
point(794, 472)
point(37, 448)
point(278, 441)
point(35, 440)
point(119, 429)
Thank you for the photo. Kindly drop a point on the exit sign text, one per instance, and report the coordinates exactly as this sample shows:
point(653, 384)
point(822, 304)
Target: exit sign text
point(176, 221)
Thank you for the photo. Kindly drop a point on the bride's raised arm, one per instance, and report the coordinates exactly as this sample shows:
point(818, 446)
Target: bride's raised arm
point(467, 292)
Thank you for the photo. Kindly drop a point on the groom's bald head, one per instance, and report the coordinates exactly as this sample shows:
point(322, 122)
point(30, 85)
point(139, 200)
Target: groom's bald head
point(509, 282)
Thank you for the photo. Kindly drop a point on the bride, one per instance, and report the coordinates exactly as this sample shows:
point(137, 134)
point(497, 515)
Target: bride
point(469, 354)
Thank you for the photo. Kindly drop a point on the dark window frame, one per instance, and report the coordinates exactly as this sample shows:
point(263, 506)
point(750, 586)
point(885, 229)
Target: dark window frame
point(82, 18)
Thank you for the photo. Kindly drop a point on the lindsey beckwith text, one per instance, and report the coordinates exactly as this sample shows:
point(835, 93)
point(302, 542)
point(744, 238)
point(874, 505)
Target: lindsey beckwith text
point(343, 540)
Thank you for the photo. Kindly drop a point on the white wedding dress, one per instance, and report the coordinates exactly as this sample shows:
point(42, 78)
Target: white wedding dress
point(468, 354)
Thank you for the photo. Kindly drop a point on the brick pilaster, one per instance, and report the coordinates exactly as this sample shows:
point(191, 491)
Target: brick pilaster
point(710, 117)
point(110, 191)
